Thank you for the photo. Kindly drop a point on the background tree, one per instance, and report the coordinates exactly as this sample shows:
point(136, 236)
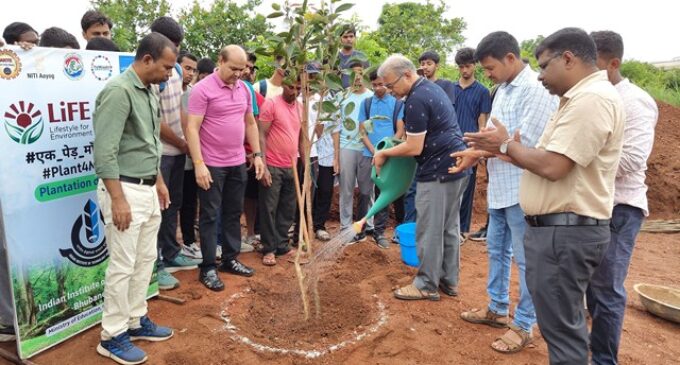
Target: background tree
point(223, 22)
point(131, 18)
point(411, 28)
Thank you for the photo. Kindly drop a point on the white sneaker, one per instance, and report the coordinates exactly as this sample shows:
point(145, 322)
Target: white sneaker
point(192, 251)
point(247, 247)
point(218, 253)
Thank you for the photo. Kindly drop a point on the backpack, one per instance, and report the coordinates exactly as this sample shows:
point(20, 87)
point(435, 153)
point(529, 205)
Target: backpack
point(397, 107)
point(263, 88)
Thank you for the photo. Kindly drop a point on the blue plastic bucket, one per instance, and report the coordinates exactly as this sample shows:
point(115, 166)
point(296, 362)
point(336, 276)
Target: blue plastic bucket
point(406, 234)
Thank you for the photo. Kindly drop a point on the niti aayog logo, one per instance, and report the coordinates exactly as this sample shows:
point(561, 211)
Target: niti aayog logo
point(73, 66)
point(10, 64)
point(87, 238)
point(23, 122)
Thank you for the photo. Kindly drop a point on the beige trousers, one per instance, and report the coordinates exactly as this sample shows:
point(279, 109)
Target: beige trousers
point(132, 255)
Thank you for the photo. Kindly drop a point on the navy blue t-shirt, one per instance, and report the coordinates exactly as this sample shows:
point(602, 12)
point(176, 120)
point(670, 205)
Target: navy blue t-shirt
point(470, 103)
point(449, 89)
point(428, 110)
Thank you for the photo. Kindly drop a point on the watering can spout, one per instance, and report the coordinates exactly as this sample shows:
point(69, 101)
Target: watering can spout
point(395, 178)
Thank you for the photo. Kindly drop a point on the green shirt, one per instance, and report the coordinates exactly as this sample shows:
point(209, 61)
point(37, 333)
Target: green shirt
point(127, 129)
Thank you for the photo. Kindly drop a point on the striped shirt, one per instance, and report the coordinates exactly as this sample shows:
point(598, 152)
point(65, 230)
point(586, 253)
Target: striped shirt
point(171, 104)
point(522, 104)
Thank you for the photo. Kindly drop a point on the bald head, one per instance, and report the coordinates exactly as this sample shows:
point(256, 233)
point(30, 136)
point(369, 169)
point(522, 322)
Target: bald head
point(233, 52)
point(232, 61)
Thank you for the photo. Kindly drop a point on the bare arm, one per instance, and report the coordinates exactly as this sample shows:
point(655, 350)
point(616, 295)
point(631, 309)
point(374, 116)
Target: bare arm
point(365, 139)
point(203, 178)
point(400, 130)
point(168, 136)
point(550, 165)
point(336, 155)
point(483, 118)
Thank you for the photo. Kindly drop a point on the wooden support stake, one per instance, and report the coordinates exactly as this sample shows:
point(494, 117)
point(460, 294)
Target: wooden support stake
point(170, 299)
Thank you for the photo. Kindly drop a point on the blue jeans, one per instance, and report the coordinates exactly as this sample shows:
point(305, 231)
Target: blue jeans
point(505, 239)
point(606, 295)
point(410, 203)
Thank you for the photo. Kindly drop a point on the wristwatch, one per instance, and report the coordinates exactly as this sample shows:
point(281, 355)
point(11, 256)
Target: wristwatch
point(504, 146)
point(257, 154)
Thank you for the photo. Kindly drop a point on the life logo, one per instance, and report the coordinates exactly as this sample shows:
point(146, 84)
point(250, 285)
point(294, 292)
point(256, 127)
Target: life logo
point(73, 66)
point(23, 122)
point(10, 64)
point(87, 238)
point(101, 68)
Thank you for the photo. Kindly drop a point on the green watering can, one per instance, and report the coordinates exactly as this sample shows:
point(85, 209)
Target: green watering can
point(395, 178)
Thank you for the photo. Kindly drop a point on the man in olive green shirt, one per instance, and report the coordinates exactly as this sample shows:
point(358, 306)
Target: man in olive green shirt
point(131, 193)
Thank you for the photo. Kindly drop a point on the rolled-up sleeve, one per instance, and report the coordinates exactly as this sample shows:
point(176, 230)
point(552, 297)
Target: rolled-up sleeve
point(110, 115)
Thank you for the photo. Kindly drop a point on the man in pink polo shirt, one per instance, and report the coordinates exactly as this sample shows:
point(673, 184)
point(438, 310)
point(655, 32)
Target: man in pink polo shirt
point(279, 138)
point(220, 116)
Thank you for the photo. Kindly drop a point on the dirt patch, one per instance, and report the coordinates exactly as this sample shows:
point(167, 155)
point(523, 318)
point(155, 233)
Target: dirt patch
point(663, 174)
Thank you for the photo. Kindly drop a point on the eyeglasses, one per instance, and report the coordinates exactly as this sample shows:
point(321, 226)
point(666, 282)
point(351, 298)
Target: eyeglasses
point(389, 85)
point(545, 64)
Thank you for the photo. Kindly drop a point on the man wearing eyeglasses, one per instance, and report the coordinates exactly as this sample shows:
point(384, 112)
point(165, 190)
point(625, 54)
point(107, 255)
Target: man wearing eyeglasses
point(432, 134)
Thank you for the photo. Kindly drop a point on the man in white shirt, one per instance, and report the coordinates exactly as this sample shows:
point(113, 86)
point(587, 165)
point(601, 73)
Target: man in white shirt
point(606, 295)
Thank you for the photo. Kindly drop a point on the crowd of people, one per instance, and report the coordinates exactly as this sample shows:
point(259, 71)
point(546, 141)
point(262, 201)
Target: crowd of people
point(564, 146)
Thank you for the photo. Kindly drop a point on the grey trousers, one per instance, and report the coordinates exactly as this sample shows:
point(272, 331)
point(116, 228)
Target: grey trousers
point(560, 262)
point(437, 233)
point(276, 208)
point(353, 167)
point(6, 305)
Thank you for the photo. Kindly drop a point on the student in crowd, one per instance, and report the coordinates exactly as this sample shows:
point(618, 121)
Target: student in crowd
point(429, 65)
point(220, 118)
point(348, 56)
point(473, 105)
point(19, 33)
point(606, 295)
point(95, 24)
point(279, 126)
point(385, 114)
point(170, 256)
point(131, 193)
point(204, 68)
point(348, 149)
point(432, 135)
point(101, 44)
point(56, 37)
point(273, 86)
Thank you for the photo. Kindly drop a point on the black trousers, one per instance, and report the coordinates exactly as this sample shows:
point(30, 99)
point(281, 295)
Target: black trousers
point(560, 262)
point(323, 197)
point(187, 214)
point(225, 194)
point(172, 169)
point(276, 209)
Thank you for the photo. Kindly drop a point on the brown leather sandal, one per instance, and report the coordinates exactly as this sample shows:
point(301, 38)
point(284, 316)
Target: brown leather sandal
point(514, 340)
point(485, 316)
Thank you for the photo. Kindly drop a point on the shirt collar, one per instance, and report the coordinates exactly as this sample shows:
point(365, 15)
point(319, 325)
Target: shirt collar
point(415, 85)
point(222, 84)
point(130, 73)
point(521, 77)
point(585, 82)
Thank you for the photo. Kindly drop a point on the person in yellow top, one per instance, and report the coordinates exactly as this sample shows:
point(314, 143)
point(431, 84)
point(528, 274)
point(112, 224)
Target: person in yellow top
point(567, 188)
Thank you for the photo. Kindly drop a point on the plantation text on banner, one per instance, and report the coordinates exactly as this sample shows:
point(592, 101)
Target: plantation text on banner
point(52, 224)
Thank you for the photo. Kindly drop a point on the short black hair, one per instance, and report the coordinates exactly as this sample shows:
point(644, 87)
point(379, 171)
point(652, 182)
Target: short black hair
point(575, 40)
point(608, 44)
point(429, 55)
point(465, 56)
point(56, 37)
point(357, 63)
point(93, 17)
point(373, 75)
point(252, 57)
point(13, 32)
point(205, 66)
point(349, 28)
point(168, 27)
point(497, 45)
point(154, 44)
point(102, 44)
point(188, 55)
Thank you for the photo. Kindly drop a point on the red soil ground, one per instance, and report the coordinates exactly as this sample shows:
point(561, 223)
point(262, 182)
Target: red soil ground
point(269, 312)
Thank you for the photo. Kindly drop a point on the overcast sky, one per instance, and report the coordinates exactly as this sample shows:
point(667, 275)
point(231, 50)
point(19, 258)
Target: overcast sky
point(643, 25)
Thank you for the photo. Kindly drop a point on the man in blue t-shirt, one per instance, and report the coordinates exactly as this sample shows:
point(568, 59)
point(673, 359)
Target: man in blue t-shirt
point(473, 105)
point(380, 116)
point(348, 55)
point(432, 135)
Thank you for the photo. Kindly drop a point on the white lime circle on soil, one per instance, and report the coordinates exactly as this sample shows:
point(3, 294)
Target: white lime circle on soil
point(310, 354)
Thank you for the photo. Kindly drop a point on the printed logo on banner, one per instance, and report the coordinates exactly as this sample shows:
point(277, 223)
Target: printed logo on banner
point(87, 238)
point(124, 62)
point(73, 66)
point(101, 68)
point(23, 122)
point(10, 64)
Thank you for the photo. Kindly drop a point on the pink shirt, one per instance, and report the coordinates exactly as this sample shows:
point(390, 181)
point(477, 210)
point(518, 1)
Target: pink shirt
point(223, 129)
point(638, 139)
point(284, 133)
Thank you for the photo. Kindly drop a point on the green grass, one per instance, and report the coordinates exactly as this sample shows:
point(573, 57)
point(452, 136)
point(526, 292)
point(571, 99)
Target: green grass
point(664, 94)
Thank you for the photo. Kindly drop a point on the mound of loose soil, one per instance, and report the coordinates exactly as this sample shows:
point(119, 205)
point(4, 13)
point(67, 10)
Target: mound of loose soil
point(663, 174)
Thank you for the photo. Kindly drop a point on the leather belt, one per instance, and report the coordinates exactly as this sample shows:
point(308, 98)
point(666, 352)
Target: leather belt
point(564, 219)
point(135, 180)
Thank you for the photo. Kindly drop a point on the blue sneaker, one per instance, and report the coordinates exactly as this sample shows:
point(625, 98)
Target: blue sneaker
point(166, 281)
point(121, 350)
point(149, 331)
point(181, 262)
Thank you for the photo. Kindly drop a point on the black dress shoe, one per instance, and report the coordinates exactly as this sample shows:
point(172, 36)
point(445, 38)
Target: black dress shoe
point(235, 267)
point(211, 280)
